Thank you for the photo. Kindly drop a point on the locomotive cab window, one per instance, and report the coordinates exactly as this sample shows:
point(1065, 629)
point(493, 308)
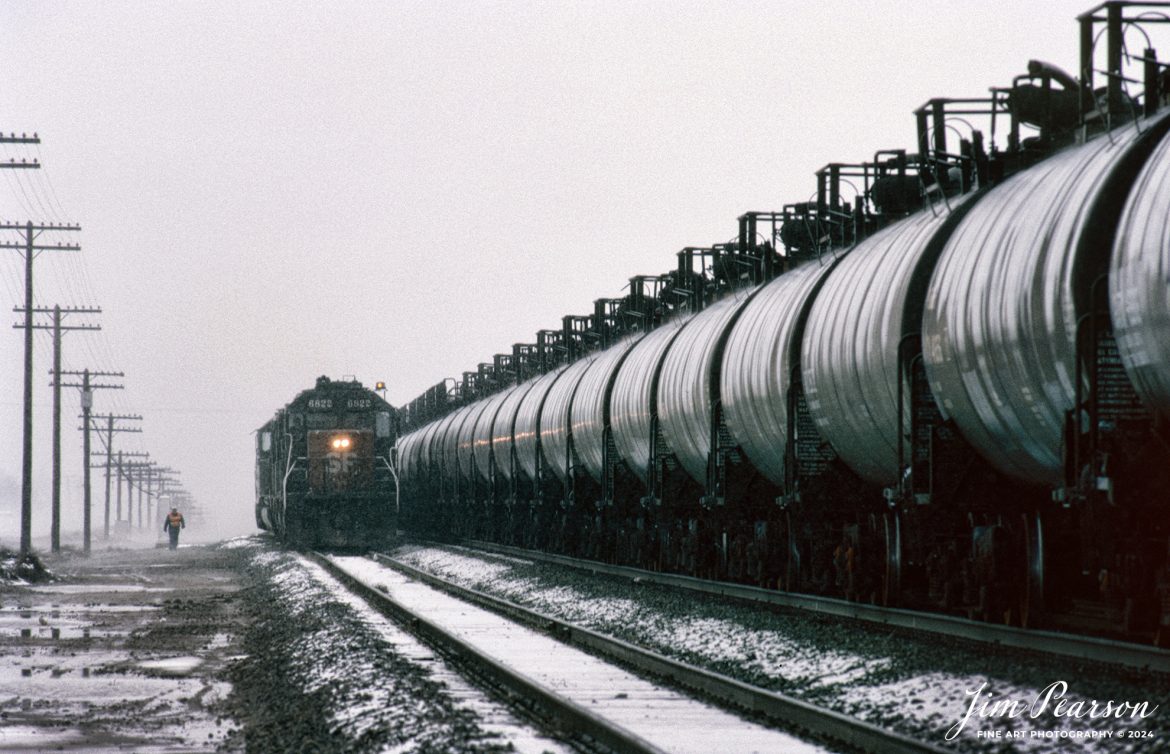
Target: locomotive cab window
point(382, 424)
point(265, 442)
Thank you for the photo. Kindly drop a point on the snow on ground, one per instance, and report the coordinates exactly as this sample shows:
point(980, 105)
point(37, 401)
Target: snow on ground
point(882, 677)
point(365, 684)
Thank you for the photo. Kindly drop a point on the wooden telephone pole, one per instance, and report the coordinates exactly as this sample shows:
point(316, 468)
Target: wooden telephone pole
point(87, 387)
point(58, 329)
point(110, 429)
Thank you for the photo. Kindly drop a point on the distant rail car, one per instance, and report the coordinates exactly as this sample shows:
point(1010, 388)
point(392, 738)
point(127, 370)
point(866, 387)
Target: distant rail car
point(323, 468)
point(951, 392)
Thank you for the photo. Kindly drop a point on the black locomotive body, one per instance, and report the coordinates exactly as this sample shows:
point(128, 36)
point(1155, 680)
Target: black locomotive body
point(324, 475)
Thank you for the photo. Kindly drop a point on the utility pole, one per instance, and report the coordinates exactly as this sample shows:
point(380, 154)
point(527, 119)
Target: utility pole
point(87, 387)
point(110, 429)
point(122, 469)
point(168, 476)
point(135, 479)
point(58, 330)
point(162, 475)
point(31, 249)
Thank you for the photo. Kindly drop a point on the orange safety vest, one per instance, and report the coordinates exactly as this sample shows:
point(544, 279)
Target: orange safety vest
point(175, 520)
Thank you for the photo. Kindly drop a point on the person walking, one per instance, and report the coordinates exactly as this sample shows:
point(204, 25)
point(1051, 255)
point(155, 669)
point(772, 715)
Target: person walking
point(172, 523)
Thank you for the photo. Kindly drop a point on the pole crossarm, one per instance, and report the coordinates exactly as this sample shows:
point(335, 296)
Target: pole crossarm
point(62, 309)
point(115, 429)
point(92, 373)
point(92, 386)
point(24, 138)
point(39, 227)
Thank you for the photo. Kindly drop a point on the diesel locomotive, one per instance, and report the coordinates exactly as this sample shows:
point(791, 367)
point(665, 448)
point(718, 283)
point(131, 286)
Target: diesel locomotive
point(324, 474)
point(948, 390)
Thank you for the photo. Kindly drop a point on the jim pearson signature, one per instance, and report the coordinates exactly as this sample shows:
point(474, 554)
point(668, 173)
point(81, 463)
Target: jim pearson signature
point(1050, 701)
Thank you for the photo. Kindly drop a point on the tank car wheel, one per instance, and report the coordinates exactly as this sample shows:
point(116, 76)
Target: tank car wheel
point(892, 579)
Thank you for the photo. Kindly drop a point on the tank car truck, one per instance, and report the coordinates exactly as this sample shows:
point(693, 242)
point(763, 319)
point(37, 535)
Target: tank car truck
point(324, 474)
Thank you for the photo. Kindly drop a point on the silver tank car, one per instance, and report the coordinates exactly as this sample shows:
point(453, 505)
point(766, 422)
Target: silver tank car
point(411, 452)
point(1139, 284)
point(482, 434)
point(428, 448)
point(445, 445)
point(588, 412)
point(465, 441)
point(405, 452)
point(999, 330)
point(554, 417)
point(850, 351)
point(757, 364)
point(526, 434)
point(684, 384)
point(631, 402)
point(505, 425)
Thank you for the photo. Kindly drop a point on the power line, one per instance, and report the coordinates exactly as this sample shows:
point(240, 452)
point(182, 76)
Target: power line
point(30, 249)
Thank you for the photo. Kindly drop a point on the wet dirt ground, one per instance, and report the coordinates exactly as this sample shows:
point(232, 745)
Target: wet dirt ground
point(127, 651)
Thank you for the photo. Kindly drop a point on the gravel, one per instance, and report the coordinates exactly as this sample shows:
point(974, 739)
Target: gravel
point(343, 687)
point(919, 685)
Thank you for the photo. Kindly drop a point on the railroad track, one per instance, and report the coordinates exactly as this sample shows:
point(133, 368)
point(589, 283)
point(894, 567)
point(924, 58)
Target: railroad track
point(777, 709)
point(1050, 642)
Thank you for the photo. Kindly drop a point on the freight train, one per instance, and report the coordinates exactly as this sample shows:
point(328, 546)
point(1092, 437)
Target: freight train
point(949, 390)
point(323, 468)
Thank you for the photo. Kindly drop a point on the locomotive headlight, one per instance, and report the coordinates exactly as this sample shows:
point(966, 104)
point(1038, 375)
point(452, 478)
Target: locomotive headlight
point(341, 442)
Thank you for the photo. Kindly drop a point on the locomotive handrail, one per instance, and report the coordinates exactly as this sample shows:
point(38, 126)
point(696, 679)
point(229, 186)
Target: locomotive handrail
point(393, 473)
point(289, 465)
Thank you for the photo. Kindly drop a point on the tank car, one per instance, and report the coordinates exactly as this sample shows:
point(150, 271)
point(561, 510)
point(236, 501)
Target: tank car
point(323, 468)
point(952, 394)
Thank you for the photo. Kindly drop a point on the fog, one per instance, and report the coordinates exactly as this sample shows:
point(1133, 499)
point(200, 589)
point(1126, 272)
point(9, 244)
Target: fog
point(272, 191)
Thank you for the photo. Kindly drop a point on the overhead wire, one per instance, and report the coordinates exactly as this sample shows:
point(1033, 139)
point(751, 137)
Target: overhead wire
point(67, 281)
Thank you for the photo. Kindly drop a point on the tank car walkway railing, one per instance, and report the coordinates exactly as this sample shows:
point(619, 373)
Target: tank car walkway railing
point(779, 709)
point(1088, 648)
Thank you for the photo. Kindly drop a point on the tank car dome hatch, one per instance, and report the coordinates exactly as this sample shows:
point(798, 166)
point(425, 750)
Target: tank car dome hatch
point(482, 434)
point(554, 417)
point(1139, 284)
point(526, 434)
point(588, 414)
point(849, 356)
point(999, 329)
point(505, 426)
point(632, 400)
point(757, 363)
point(685, 382)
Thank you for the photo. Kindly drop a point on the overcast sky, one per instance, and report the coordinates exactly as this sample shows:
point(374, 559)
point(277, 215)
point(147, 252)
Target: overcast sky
point(271, 191)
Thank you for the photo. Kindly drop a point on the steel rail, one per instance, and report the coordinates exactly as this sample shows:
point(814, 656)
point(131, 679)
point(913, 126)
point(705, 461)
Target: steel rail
point(558, 713)
point(781, 709)
point(1088, 648)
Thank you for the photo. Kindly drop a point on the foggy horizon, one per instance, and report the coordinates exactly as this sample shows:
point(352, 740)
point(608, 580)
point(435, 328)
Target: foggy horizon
point(271, 192)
